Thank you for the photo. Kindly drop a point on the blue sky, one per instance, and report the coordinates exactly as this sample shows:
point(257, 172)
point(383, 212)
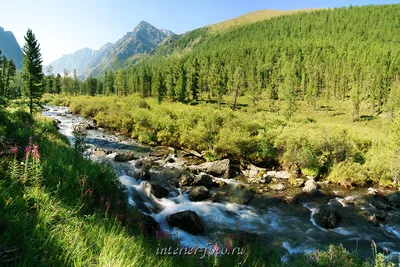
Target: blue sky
point(63, 27)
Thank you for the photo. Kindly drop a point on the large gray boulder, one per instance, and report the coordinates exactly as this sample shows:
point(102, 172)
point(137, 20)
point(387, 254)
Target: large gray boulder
point(188, 221)
point(124, 156)
point(310, 187)
point(327, 217)
point(220, 168)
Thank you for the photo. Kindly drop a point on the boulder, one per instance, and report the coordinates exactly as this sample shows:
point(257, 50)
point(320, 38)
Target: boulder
point(188, 221)
point(218, 183)
point(277, 187)
point(204, 180)
point(198, 193)
point(186, 180)
point(220, 168)
point(143, 174)
point(298, 182)
point(310, 187)
point(162, 152)
point(124, 156)
point(372, 191)
point(327, 217)
point(159, 191)
point(259, 180)
point(278, 174)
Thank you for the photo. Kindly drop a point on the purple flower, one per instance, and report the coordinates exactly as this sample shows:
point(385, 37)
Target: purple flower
point(216, 248)
point(14, 150)
point(30, 140)
point(28, 149)
point(35, 152)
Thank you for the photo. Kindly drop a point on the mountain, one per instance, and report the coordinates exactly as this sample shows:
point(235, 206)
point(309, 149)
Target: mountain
point(10, 47)
point(80, 60)
point(142, 40)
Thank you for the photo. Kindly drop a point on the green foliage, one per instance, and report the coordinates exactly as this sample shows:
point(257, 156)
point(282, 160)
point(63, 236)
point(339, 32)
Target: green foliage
point(79, 131)
point(32, 71)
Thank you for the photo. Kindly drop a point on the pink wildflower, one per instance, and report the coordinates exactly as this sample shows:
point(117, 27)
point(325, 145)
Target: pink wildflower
point(35, 152)
point(30, 140)
point(216, 248)
point(14, 150)
point(28, 149)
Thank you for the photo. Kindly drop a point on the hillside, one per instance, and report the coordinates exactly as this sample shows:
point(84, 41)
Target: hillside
point(252, 17)
point(10, 47)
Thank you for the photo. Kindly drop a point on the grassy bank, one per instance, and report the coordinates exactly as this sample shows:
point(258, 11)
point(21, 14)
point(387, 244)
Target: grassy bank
point(322, 142)
point(64, 210)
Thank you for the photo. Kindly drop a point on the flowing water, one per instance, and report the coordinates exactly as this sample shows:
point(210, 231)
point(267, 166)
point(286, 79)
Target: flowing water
point(290, 228)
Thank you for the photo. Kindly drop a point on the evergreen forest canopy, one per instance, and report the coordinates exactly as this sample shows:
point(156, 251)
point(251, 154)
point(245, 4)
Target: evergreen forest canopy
point(346, 53)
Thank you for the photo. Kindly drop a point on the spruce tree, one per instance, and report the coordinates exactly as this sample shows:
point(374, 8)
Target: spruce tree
point(32, 71)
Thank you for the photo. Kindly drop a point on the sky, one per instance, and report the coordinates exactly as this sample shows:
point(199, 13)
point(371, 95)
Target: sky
point(63, 27)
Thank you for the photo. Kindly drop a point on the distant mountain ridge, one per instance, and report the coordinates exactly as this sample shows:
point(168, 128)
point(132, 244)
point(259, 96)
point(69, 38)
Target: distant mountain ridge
point(142, 40)
point(10, 47)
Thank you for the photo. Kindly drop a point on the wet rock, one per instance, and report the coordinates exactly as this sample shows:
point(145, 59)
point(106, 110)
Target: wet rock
point(99, 153)
point(381, 203)
point(221, 168)
point(219, 196)
point(186, 180)
point(277, 187)
point(310, 187)
point(125, 156)
point(242, 197)
point(162, 152)
point(279, 174)
point(240, 186)
point(150, 226)
point(204, 180)
point(188, 221)
point(372, 191)
point(394, 199)
point(376, 219)
point(143, 174)
point(159, 191)
point(198, 193)
point(218, 183)
point(259, 180)
point(327, 217)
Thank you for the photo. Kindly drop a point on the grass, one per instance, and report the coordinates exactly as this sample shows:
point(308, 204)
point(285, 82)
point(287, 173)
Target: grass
point(61, 217)
point(322, 142)
point(252, 17)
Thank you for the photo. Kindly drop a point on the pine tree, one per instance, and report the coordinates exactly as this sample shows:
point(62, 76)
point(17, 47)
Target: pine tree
point(57, 84)
point(75, 83)
point(159, 87)
point(237, 84)
point(194, 79)
point(355, 99)
point(181, 84)
point(32, 71)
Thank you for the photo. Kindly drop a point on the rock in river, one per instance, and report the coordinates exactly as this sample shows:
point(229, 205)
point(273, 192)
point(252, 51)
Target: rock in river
point(203, 179)
point(124, 156)
point(310, 187)
point(220, 168)
point(327, 217)
point(198, 193)
point(188, 221)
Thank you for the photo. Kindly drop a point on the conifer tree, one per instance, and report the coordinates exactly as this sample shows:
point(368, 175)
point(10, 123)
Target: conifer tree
point(32, 71)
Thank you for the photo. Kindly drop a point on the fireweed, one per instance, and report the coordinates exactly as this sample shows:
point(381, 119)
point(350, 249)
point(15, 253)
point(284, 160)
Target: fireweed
point(30, 168)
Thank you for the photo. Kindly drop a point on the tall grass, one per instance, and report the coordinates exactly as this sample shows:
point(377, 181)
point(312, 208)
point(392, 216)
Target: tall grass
point(319, 142)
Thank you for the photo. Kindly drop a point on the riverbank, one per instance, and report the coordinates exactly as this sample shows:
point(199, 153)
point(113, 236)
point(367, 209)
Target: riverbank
point(322, 143)
point(65, 210)
point(108, 147)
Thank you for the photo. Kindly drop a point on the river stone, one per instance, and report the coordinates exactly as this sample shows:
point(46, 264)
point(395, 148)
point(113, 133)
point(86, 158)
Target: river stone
point(203, 179)
point(277, 187)
point(220, 168)
point(124, 156)
point(372, 191)
point(188, 221)
point(327, 217)
point(394, 199)
point(310, 187)
point(185, 180)
point(162, 152)
point(198, 193)
point(159, 191)
point(218, 183)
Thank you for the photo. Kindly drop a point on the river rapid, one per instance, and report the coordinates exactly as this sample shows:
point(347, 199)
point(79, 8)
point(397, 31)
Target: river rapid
point(290, 227)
